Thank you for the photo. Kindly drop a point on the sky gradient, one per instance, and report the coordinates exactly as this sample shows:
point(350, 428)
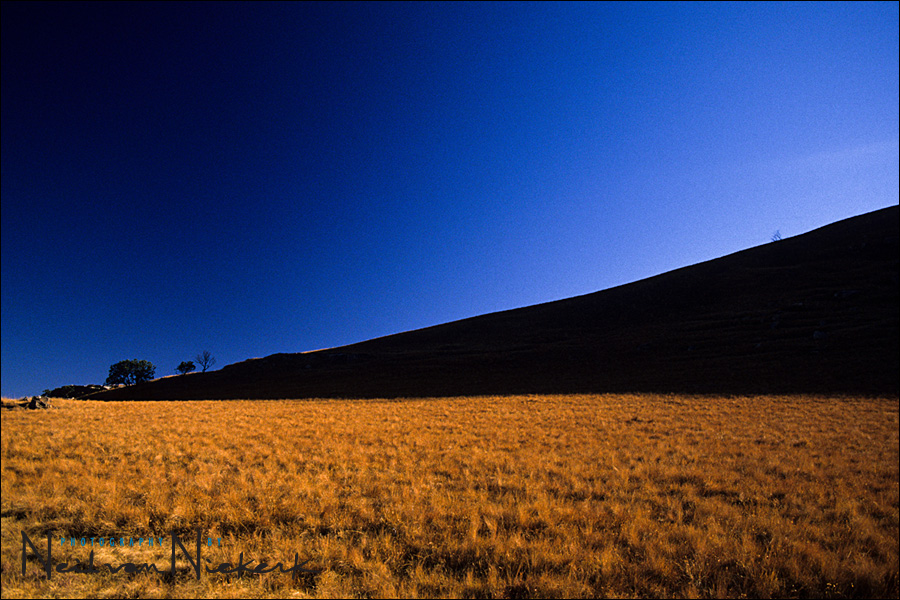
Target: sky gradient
point(253, 178)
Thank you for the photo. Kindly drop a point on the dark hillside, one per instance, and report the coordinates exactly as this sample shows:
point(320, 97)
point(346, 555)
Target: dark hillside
point(816, 313)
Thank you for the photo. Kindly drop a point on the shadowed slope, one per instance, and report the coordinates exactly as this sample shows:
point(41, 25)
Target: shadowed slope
point(816, 313)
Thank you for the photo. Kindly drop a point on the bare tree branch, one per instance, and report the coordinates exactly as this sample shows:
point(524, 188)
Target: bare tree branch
point(205, 359)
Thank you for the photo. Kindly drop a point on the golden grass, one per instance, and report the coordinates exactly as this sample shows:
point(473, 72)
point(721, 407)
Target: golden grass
point(548, 496)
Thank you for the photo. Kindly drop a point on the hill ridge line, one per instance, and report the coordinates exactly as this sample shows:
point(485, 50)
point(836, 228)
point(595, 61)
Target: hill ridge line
point(812, 313)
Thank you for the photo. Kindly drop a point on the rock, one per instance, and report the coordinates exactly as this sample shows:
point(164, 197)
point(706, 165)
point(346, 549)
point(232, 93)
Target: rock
point(37, 402)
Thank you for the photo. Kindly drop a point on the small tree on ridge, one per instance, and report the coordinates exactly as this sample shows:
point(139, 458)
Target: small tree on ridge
point(205, 359)
point(130, 372)
point(185, 367)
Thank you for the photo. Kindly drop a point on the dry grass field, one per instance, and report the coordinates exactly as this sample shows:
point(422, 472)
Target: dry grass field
point(505, 497)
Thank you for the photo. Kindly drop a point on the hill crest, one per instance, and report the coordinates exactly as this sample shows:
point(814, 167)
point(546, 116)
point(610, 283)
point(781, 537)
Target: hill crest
point(814, 313)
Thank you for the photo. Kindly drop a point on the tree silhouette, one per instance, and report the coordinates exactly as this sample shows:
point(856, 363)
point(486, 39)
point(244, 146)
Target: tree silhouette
point(205, 359)
point(186, 367)
point(130, 372)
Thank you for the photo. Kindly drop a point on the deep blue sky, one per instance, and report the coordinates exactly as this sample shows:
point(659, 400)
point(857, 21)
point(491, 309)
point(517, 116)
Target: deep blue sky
point(259, 178)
